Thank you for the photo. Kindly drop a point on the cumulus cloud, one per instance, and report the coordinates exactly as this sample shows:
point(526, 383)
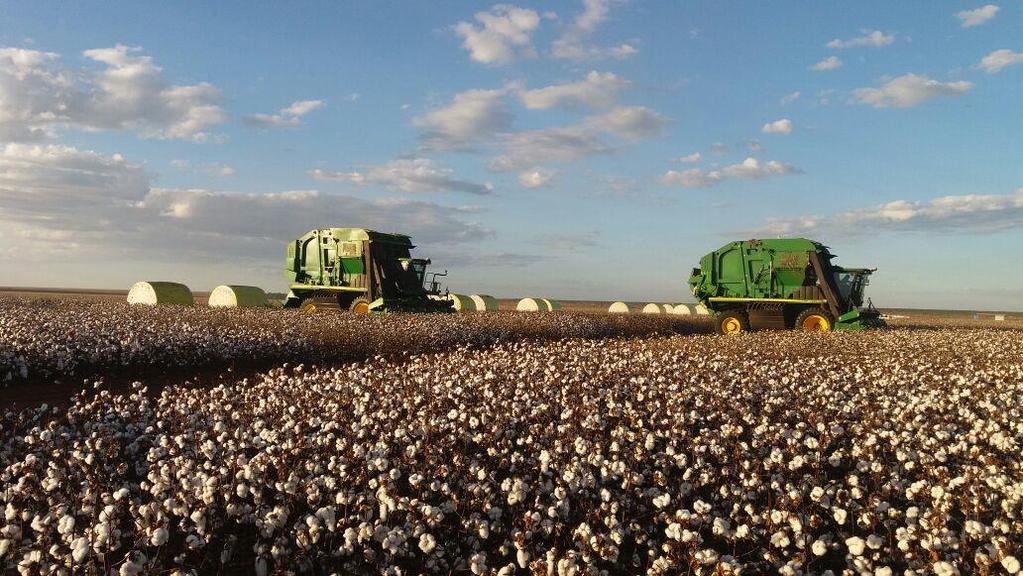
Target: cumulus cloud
point(471, 116)
point(829, 63)
point(573, 42)
point(408, 175)
point(536, 178)
point(504, 34)
point(748, 169)
point(38, 95)
point(909, 90)
point(869, 38)
point(107, 203)
point(971, 213)
point(561, 144)
point(999, 59)
point(285, 117)
point(783, 126)
point(596, 91)
point(977, 16)
point(692, 158)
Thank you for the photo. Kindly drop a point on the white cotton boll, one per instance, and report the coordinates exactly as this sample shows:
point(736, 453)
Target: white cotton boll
point(780, 539)
point(427, 543)
point(478, 563)
point(662, 500)
point(66, 524)
point(1011, 564)
point(5, 545)
point(883, 571)
point(522, 557)
point(855, 545)
point(819, 547)
point(160, 537)
point(874, 541)
point(674, 531)
point(945, 569)
point(839, 514)
point(120, 494)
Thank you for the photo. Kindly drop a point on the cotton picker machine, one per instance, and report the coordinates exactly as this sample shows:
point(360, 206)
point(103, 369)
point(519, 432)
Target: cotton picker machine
point(784, 283)
point(361, 271)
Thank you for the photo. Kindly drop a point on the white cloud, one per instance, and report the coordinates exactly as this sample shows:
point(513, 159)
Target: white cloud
point(569, 242)
point(829, 63)
point(999, 59)
point(692, 158)
point(536, 178)
point(909, 90)
point(572, 44)
point(748, 169)
point(977, 16)
point(37, 96)
point(971, 213)
point(870, 38)
point(105, 205)
point(562, 144)
point(719, 148)
point(596, 91)
point(52, 183)
point(504, 34)
point(790, 97)
point(471, 116)
point(407, 175)
point(629, 122)
point(783, 126)
point(285, 117)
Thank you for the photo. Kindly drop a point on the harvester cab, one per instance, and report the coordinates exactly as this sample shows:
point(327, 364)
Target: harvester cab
point(788, 282)
point(358, 270)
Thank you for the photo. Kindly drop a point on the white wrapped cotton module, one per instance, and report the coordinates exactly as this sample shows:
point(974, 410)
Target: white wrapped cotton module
point(552, 304)
point(681, 310)
point(668, 308)
point(225, 296)
point(701, 310)
point(462, 302)
point(484, 302)
point(153, 293)
point(532, 305)
point(619, 308)
point(652, 309)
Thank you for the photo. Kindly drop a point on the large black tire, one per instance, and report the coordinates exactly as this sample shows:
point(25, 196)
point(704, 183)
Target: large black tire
point(359, 306)
point(731, 322)
point(815, 320)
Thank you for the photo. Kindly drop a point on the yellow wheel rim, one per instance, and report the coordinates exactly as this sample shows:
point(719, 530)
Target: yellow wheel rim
point(731, 326)
point(309, 307)
point(816, 323)
point(361, 308)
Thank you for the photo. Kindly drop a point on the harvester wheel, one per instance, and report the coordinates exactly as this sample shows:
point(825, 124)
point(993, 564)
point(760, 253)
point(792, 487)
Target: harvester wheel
point(359, 306)
point(815, 320)
point(731, 322)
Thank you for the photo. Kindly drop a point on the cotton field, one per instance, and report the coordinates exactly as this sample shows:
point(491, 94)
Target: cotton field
point(894, 452)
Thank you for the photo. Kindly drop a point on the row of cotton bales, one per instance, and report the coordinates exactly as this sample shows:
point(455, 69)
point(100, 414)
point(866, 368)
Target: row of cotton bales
point(471, 303)
point(223, 296)
point(676, 309)
point(537, 305)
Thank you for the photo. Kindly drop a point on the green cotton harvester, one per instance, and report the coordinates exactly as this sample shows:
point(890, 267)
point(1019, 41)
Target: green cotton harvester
point(786, 282)
point(361, 271)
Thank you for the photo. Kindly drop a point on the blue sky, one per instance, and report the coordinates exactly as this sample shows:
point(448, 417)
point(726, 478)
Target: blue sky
point(590, 150)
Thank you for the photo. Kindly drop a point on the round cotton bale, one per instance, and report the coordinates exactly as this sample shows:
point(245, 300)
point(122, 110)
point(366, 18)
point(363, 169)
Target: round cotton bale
point(619, 308)
point(552, 305)
point(225, 296)
point(153, 293)
point(668, 308)
point(532, 305)
point(653, 309)
point(681, 310)
point(462, 302)
point(701, 310)
point(484, 302)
